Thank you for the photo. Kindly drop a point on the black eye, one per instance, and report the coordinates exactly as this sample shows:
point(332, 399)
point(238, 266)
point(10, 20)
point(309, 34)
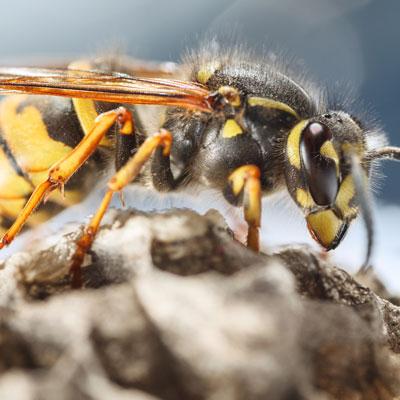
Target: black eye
point(320, 171)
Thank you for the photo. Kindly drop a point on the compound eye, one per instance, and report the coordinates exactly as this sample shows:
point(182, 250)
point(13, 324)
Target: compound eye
point(320, 169)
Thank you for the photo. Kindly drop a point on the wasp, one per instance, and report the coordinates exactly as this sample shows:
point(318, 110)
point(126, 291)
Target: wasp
point(243, 125)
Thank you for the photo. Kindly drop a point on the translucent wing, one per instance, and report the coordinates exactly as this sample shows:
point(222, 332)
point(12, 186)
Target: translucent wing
point(102, 86)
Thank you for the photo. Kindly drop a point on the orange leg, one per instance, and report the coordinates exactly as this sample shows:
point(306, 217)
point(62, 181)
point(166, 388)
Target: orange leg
point(246, 179)
point(60, 172)
point(122, 178)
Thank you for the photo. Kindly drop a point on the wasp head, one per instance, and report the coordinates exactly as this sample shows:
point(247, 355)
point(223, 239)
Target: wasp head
point(320, 176)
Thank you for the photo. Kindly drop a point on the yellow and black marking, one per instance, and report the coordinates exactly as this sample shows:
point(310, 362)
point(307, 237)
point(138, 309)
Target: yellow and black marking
point(231, 95)
point(327, 221)
point(59, 173)
point(345, 199)
point(272, 105)
point(207, 71)
point(293, 144)
point(304, 198)
point(88, 110)
point(328, 151)
point(25, 145)
point(326, 228)
point(36, 132)
point(231, 129)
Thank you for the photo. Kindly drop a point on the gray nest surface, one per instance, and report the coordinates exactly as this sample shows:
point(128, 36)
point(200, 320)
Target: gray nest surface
point(174, 308)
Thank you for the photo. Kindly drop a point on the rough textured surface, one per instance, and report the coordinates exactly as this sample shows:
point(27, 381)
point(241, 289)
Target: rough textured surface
point(173, 308)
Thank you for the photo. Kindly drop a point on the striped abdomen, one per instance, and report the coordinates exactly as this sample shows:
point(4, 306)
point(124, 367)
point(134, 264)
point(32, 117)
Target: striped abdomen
point(36, 132)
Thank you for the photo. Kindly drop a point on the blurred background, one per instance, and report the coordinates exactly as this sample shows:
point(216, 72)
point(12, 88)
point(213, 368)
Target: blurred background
point(350, 42)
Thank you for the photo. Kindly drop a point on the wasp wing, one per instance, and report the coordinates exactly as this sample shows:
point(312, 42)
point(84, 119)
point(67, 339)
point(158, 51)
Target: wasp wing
point(108, 62)
point(103, 86)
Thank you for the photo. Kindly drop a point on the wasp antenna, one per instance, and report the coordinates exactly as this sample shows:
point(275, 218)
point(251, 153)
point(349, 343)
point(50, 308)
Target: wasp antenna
point(364, 201)
point(384, 153)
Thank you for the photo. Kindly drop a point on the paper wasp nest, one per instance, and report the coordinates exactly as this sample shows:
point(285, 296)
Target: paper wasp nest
point(174, 308)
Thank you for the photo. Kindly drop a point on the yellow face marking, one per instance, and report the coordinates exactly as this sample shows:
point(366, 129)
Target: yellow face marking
point(328, 151)
point(325, 226)
point(231, 129)
point(345, 195)
point(207, 71)
point(293, 144)
point(27, 136)
point(273, 104)
point(304, 198)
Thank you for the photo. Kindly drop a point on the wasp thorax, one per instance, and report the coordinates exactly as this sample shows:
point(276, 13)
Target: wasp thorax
point(319, 164)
